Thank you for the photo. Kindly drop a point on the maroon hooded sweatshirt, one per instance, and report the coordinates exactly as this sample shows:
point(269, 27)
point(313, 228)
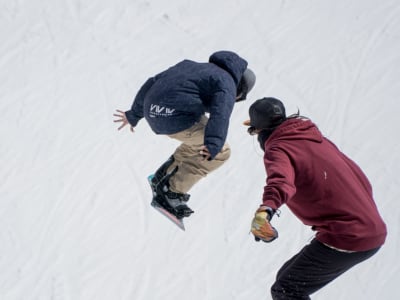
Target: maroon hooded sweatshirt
point(322, 187)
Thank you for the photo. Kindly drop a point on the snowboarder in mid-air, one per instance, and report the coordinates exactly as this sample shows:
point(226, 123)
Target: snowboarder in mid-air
point(324, 189)
point(175, 103)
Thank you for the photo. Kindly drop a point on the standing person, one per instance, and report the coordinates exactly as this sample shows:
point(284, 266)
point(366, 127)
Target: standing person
point(175, 103)
point(324, 189)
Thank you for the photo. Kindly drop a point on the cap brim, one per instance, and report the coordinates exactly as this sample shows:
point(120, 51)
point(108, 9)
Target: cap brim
point(247, 123)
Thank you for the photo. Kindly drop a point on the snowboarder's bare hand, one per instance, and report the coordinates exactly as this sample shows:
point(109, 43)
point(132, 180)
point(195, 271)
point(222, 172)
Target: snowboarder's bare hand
point(122, 119)
point(205, 154)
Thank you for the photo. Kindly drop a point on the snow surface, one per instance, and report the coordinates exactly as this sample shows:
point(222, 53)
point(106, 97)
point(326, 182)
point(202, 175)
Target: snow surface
point(75, 220)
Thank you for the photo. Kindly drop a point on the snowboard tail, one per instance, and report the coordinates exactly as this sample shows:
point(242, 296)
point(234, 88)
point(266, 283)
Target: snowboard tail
point(168, 213)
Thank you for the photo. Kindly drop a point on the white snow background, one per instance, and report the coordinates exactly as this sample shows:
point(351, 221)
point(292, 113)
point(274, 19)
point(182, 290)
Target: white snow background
point(75, 219)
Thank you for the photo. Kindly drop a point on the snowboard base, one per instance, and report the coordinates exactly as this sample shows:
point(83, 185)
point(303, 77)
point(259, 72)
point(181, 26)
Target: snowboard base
point(168, 215)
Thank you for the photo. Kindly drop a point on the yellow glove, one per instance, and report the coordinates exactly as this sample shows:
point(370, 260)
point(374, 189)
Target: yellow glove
point(261, 227)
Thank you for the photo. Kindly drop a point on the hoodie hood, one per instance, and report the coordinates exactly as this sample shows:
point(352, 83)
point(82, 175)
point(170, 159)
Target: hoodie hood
point(230, 62)
point(296, 129)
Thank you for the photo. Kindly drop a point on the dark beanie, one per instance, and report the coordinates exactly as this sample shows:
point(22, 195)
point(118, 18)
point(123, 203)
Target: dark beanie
point(267, 113)
point(246, 83)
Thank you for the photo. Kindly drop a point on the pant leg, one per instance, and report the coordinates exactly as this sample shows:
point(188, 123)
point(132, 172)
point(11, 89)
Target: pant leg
point(312, 268)
point(190, 166)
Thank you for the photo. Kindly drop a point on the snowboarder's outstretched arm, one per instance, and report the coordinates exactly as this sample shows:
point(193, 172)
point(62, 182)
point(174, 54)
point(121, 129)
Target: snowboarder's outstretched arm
point(136, 112)
point(133, 115)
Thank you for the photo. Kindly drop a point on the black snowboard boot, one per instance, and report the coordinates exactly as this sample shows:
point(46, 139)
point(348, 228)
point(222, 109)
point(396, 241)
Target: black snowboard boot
point(162, 171)
point(177, 202)
point(174, 202)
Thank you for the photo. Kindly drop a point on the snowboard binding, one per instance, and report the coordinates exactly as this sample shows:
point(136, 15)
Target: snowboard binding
point(174, 203)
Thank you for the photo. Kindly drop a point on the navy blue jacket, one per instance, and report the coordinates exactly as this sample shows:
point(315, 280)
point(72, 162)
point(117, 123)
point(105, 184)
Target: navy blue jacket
point(176, 98)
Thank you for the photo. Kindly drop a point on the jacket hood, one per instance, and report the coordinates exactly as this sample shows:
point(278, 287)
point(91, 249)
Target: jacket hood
point(296, 129)
point(230, 62)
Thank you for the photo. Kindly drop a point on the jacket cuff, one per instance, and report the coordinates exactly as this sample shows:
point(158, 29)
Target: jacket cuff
point(270, 211)
point(213, 152)
point(132, 118)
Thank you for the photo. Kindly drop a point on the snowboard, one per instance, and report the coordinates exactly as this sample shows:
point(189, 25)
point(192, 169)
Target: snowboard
point(177, 221)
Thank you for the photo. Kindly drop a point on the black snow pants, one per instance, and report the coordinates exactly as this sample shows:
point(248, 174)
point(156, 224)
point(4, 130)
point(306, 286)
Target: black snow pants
point(312, 268)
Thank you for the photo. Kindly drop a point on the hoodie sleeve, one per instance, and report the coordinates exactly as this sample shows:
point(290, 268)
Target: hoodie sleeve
point(280, 186)
point(136, 112)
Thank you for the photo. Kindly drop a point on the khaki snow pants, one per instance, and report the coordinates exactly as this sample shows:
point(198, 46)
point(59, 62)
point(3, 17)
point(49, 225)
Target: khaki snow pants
point(191, 167)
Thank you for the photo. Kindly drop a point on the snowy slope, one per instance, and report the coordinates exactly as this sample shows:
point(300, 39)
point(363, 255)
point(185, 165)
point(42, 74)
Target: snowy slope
point(75, 220)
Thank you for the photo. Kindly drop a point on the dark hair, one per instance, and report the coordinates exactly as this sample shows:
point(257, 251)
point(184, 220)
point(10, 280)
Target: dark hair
point(297, 116)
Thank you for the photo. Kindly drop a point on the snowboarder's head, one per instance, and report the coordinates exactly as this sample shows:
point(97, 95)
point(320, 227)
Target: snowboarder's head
point(236, 66)
point(246, 83)
point(265, 113)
